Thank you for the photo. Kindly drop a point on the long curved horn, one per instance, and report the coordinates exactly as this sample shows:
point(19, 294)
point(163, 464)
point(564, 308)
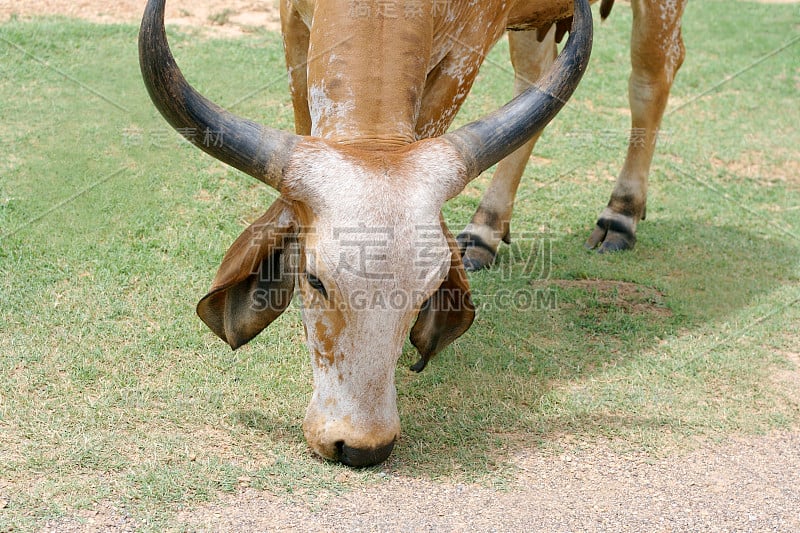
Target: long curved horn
point(486, 141)
point(254, 149)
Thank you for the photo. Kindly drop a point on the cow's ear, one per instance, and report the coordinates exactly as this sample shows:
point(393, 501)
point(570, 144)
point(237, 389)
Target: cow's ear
point(447, 314)
point(255, 282)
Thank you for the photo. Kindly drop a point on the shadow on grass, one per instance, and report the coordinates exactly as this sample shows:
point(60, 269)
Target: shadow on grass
point(589, 361)
point(584, 359)
point(278, 428)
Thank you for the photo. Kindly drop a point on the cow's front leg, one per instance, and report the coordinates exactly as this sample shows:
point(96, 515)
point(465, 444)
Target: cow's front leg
point(656, 54)
point(490, 224)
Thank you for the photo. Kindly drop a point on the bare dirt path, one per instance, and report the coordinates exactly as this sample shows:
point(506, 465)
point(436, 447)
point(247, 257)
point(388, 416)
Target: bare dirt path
point(746, 484)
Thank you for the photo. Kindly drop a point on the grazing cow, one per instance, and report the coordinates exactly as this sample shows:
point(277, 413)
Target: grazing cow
point(358, 224)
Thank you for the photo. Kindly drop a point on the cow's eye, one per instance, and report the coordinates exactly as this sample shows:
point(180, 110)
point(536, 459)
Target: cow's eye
point(315, 282)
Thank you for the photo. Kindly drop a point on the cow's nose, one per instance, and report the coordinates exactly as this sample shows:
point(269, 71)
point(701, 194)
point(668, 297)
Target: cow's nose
point(361, 457)
point(333, 435)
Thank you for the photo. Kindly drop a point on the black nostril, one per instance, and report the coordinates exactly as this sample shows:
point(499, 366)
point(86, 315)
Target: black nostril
point(360, 457)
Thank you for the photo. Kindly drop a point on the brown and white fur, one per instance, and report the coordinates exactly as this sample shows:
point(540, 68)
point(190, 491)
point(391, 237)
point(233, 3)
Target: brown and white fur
point(374, 93)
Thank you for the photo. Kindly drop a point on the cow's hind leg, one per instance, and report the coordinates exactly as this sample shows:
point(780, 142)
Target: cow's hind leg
point(656, 54)
point(490, 224)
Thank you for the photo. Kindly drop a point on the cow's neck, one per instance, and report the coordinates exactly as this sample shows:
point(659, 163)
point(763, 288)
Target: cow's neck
point(366, 73)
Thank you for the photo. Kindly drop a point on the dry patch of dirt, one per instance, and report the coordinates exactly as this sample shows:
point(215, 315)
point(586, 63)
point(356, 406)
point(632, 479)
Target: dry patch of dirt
point(787, 376)
point(230, 17)
point(746, 485)
point(631, 297)
point(790, 378)
point(104, 517)
point(754, 165)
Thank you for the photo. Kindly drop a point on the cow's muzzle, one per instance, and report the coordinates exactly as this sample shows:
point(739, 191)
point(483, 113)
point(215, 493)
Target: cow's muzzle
point(356, 445)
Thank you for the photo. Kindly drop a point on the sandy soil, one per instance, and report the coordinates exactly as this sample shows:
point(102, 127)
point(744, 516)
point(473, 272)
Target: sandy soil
point(748, 484)
point(223, 17)
point(218, 17)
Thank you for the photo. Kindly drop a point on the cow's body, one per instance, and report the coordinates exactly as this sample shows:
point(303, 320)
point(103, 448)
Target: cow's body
point(427, 63)
point(362, 73)
point(375, 85)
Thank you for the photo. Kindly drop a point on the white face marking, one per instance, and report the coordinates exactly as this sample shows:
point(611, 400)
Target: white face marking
point(377, 246)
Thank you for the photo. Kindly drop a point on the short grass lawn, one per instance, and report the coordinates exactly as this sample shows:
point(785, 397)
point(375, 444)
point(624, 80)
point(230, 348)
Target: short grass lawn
point(111, 228)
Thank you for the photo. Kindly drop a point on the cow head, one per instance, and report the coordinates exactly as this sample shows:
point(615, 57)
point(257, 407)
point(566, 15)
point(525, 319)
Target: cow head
point(364, 269)
point(359, 232)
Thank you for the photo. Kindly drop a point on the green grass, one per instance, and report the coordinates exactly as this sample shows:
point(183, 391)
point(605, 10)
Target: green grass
point(110, 229)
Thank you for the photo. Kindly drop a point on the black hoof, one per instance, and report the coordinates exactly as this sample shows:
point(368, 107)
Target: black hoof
point(475, 252)
point(473, 264)
point(613, 233)
point(420, 365)
point(359, 458)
